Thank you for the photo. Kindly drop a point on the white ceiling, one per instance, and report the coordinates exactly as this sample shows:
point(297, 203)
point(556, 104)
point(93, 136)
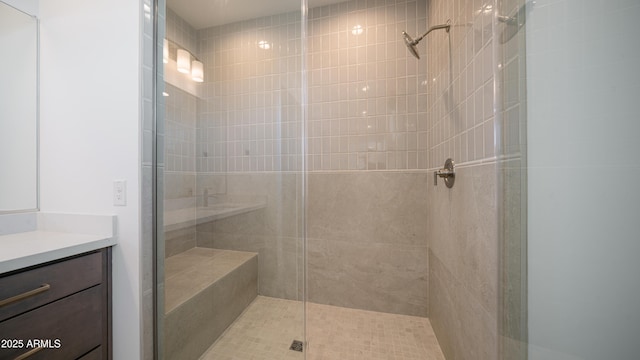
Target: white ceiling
point(206, 13)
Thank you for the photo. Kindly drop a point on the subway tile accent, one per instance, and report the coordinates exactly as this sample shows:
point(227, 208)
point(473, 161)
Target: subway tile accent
point(364, 96)
point(250, 116)
point(371, 105)
point(460, 83)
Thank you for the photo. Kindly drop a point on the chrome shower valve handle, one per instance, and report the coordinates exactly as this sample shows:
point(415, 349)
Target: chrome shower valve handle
point(448, 173)
point(443, 173)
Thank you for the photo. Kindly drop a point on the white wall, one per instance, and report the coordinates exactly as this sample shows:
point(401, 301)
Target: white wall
point(584, 177)
point(90, 132)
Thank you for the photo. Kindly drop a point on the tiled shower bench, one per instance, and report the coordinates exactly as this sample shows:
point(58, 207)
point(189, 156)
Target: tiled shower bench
point(205, 291)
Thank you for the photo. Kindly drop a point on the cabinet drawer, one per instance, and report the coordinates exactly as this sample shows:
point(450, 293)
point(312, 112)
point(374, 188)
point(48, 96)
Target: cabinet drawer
point(96, 354)
point(63, 278)
point(75, 320)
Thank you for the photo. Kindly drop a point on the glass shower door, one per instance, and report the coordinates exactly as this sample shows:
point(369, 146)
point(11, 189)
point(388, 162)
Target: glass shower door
point(511, 109)
point(583, 86)
point(232, 269)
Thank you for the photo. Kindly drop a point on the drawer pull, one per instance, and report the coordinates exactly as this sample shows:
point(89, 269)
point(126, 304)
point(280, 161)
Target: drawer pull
point(29, 353)
point(11, 300)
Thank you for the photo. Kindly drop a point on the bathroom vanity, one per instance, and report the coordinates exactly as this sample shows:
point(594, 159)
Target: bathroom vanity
point(55, 286)
point(55, 269)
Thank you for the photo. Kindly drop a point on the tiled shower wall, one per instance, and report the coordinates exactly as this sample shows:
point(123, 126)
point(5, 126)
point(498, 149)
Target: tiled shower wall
point(180, 110)
point(367, 156)
point(367, 112)
point(367, 109)
point(460, 93)
point(179, 142)
point(462, 221)
point(243, 120)
point(249, 132)
point(378, 120)
point(250, 116)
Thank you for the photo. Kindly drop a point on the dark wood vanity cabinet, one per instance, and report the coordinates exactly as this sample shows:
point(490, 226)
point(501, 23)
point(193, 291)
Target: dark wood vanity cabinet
point(58, 310)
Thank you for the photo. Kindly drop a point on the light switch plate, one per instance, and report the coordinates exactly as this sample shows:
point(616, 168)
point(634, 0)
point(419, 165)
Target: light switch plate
point(120, 192)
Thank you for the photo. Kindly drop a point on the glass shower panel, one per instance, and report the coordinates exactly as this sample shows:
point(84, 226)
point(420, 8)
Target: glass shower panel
point(511, 110)
point(368, 181)
point(233, 181)
point(583, 86)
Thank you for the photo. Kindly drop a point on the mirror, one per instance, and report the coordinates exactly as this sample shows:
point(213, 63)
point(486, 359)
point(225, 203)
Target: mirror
point(18, 110)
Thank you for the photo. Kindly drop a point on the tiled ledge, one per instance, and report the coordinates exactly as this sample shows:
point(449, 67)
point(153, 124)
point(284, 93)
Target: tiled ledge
point(183, 218)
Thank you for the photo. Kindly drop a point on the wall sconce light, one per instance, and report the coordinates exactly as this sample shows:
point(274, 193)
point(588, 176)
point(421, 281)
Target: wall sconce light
point(165, 51)
point(184, 61)
point(197, 71)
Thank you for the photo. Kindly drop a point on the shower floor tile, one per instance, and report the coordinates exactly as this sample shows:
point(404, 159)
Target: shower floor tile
point(264, 331)
point(268, 326)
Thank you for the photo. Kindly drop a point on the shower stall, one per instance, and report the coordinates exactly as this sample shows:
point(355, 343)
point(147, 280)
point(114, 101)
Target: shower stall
point(299, 216)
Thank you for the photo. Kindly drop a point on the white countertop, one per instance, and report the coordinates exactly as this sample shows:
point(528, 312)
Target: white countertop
point(55, 236)
point(26, 249)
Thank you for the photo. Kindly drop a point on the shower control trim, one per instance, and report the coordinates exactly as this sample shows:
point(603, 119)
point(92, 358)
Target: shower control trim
point(448, 173)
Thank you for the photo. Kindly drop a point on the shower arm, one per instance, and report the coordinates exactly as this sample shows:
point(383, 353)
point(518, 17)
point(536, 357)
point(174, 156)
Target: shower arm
point(446, 26)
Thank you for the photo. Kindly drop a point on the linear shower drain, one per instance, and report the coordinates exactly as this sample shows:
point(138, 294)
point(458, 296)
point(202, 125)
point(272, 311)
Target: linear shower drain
point(296, 345)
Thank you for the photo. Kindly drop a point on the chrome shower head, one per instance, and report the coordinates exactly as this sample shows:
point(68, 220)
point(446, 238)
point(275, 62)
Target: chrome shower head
point(411, 44)
point(513, 23)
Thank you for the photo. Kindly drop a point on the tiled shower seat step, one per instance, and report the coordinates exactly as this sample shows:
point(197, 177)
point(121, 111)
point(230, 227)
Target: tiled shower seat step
point(205, 291)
